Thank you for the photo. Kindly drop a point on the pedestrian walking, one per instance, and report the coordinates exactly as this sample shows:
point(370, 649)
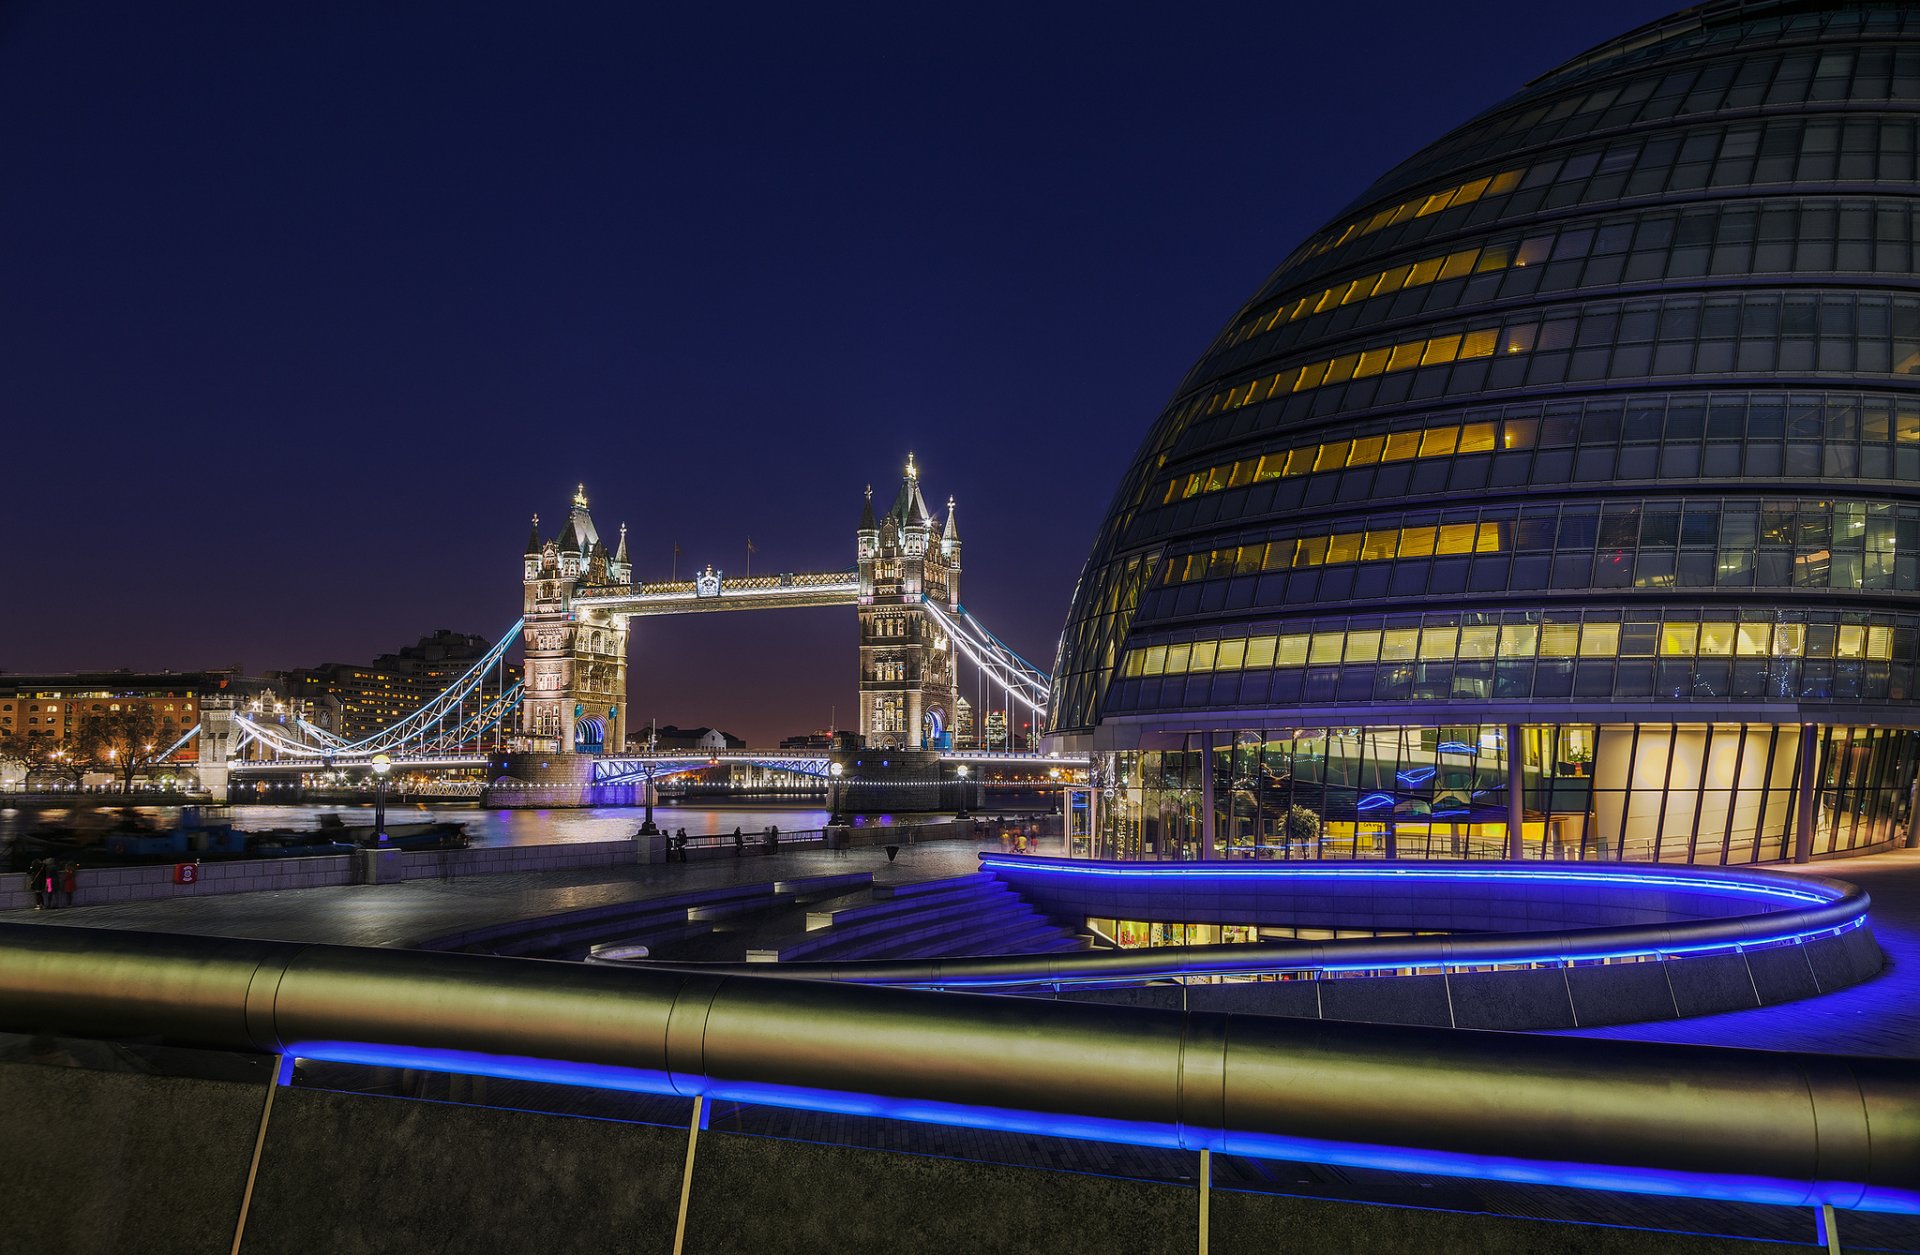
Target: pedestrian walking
point(67, 878)
point(739, 842)
point(50, 883)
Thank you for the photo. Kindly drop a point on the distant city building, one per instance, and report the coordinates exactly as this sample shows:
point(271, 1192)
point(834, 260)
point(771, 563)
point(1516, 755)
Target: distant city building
point(355, 700)
point(51, 708)
point(841, 740)
point(668, 737)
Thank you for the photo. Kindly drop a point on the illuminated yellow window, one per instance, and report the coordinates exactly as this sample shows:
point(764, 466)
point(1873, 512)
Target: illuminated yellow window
point(1679, 640)
point(1458, 264)
point(1425, 272)
point(1310, 376)
point(1440, 350)
point(1177, 656)
point(1135, 660)
point(1478, 642)
point(1789, 640)
point(1399, 644)
point(1378, 545)
point(1201, 659)
point(1519, 640)
point(1363, 646)
point(1753, 640)
point(1599, 640)
point(1416, 542)
point(1291, 650)
point(1402, 445)
point(1473, 191)
point(1232, 654)
point(1559, 640)
point(1344, 547)
point(1475, 438)
point(1260, 652)
point(1437, 643)
point(1852, 643)
point(1156, 660)
point(1716, 640)
point(1478, 344)
point(1272, 466)
point(1438, 442)
point(1494, 257)
point(1326, 647)
point(1312, 551)
point(1331, 457)
point(1405, 356)
point(1880, 643)
point(1487, 538)
point(1366, 450)
point(1280, 554)
point(1372, 362)
point(1455, 538)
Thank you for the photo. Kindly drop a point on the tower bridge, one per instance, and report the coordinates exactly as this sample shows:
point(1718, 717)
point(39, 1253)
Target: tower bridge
point(566, 718)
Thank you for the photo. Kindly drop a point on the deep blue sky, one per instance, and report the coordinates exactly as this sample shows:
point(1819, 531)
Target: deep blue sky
point(306, 308)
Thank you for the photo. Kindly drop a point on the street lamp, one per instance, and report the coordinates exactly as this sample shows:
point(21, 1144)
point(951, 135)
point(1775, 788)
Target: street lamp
point(381, 766)
point(646, 790)
point(834, 772)
point(963, 771)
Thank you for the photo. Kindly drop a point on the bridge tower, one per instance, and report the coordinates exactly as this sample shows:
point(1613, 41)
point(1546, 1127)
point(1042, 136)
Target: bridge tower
point(576, 654)
point(908, 698)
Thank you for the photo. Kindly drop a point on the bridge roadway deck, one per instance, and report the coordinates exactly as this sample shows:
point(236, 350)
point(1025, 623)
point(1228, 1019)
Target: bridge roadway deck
point(1879, 1017)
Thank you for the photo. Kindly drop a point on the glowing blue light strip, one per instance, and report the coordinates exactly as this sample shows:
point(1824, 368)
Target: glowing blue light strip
point(1623, 1178)
point(1412, 961)
point(1246, 871)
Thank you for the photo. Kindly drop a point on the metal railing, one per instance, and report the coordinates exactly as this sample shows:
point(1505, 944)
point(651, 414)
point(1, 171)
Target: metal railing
point(1787, 1129)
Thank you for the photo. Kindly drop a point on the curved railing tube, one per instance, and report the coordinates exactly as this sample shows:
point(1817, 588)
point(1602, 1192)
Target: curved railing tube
point(1779, 1128)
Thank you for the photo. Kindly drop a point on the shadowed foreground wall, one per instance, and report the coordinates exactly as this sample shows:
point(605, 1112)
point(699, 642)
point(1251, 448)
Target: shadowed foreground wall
point(109, 1162)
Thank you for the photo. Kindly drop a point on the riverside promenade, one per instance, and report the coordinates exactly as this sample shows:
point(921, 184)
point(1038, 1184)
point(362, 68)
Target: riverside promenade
point(1878, 1017)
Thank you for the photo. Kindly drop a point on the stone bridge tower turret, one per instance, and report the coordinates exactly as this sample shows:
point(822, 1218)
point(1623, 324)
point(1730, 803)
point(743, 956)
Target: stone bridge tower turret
point(576, 654)
point(908, 698)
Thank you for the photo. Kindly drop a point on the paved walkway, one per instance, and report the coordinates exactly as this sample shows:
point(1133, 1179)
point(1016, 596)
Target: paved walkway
point(417, 910)
point(1879, 1017)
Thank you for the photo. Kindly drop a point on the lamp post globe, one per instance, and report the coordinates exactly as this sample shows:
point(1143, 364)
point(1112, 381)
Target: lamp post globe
point(963, 771)
point(382, 764)
point(835, 770)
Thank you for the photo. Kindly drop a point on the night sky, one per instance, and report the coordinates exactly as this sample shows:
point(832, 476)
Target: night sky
point(307, 308)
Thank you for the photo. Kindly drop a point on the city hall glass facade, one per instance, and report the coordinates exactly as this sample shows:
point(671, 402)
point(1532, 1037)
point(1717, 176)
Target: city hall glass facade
point(1560, 496)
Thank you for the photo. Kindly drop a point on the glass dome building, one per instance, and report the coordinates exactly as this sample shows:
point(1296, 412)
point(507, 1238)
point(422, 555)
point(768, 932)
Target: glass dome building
point(1560, 497)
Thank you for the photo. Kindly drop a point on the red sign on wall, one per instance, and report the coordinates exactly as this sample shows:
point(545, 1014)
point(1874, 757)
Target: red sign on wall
point(186, 873)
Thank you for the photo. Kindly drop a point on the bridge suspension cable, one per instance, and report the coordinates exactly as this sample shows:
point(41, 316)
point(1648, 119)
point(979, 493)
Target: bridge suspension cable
point(477, 702)
point(995, 660)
